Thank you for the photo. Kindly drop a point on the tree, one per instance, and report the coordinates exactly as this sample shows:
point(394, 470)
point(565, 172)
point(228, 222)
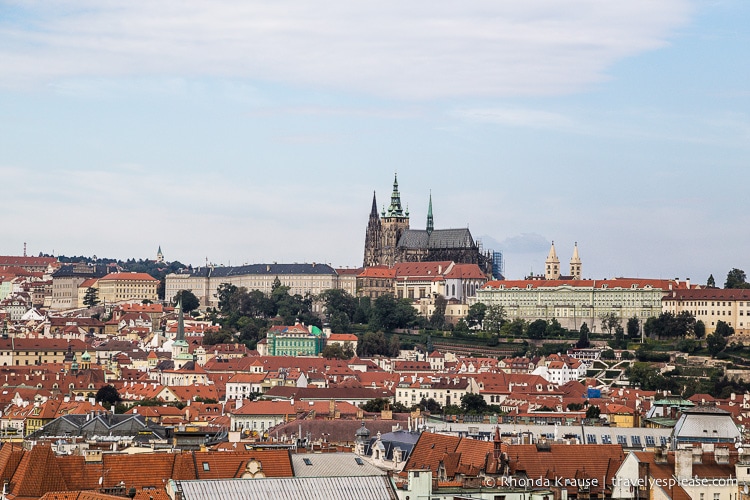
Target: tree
point(107, 395)
point(494, 318)
point(389, 313)
point(593, 412)
point(634, 327)
point(340, 308)
point(583, 338)
point(333, 351)
point(437, 320)
point(610, 321)
point(736, 278)
point(189, 301)
point(723, 329)
point(699, 329)
point(476, 313)
point(473, 403)
point(227, 297)
point(553, 329)
point(715, 343)
point(537, 329)
point(710, 282)
point(516, 328)
point(91, 298)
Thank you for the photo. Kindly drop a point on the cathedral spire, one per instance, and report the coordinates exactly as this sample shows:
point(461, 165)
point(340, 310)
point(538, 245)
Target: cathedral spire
point(374, 210)
point(430, 222)
point(395, 209)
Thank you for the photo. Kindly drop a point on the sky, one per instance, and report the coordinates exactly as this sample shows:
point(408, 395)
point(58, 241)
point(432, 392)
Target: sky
point(238, 132)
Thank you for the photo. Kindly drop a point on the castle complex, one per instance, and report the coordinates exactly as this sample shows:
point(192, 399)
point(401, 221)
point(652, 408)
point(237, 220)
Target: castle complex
point(389, 239)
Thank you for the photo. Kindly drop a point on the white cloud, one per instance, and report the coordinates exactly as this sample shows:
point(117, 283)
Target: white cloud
point(517, 117)
point(418, 49)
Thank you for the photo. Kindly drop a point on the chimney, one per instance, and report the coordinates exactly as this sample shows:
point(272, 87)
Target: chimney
point(683, 464)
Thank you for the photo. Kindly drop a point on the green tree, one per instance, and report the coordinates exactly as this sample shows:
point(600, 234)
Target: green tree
point(593, 412)
point(107, 395)
point(610, 321)
point(583, 338)
point(553, 329)
point(494, 318)
point(431, 406)
point(333, 351)
point(537, 329)
point(227, 294)
point(476, 313)
point(516, 328)
point(473, 404)
point(699, 329)
point(339, 305)
point(91, 297)
point(437, 320)
point(724, 329)
point(389, 313)
point(189, 301)
point(715, 343)
point(634, 327)
point(736, 278)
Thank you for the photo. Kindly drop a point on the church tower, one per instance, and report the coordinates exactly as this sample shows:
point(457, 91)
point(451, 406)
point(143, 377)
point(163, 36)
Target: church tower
point(394, 222)
point(575, 264)
point(552, 265)
point(180, 348)
point(430, 221)
point(159, 256)
point(373, 236)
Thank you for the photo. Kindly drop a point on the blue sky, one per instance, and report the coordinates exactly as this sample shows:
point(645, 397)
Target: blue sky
point(254, 131)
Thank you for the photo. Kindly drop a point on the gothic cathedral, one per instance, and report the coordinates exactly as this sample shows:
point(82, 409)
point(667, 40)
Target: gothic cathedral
point(389, 240)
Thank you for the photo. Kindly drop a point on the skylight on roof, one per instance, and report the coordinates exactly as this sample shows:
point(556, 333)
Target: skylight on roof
point(307, 461)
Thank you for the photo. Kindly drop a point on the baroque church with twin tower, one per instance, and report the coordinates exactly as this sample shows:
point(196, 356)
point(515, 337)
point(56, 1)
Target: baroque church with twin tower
point(390, 240)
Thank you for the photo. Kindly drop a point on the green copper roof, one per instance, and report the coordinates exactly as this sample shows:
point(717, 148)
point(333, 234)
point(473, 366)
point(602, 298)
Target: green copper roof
point(315, 330)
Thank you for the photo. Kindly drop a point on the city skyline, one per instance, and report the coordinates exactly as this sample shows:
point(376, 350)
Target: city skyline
point(257, 133)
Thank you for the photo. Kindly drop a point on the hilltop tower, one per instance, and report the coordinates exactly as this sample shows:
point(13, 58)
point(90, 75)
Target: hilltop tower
point(575, 264)
point(159, 256)
point(394, 222)
point(552, 265)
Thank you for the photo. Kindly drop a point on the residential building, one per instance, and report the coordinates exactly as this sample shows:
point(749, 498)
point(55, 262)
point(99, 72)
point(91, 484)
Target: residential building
point(67, 279)
point(711, 305)
point(574, 302)
point(128, 287)
point(204, 282)
point(296, 340)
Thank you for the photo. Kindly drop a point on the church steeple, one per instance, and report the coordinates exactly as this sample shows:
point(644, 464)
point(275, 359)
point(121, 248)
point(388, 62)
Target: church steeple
point(180, 321)
point(552, 265)
point(374, 210)
point(430, 222)
point(395, 209)
point(159, 255)
point(575, 264)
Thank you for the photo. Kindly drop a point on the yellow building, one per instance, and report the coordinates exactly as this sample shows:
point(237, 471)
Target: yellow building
point(121, 287)
point(711, 305)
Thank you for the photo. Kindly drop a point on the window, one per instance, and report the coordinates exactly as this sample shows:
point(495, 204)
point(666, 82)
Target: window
point(650, 441)
point(359, 461)
point(622, 440)
point(663, 440)
point(606, 439)
point(590, 439)
point(206, 467)
point(307, 461)
point(636, 440)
